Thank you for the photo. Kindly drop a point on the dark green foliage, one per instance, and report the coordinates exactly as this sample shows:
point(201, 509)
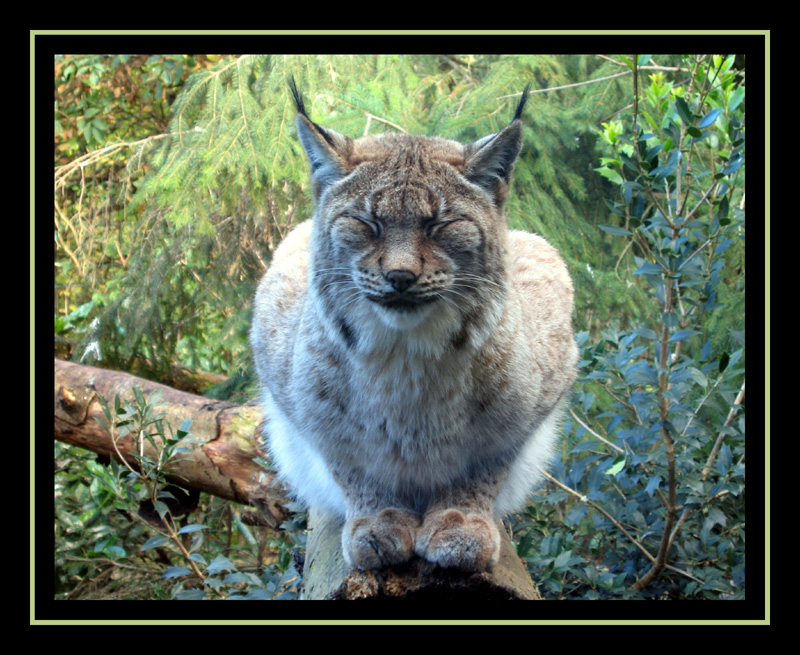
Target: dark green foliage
point(655, 447)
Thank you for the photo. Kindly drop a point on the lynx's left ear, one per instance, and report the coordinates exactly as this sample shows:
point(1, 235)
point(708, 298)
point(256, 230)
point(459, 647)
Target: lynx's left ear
point(490, 160)
point(327, 150)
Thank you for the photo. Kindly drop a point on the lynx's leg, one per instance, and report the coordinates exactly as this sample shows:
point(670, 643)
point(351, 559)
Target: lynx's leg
point(378, 540)
point(376, 532)
point(459, 529)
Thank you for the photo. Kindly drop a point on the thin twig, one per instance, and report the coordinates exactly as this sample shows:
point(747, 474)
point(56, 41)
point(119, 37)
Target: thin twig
point(599, 79)
point(593, 433)
point(635, 96)
point(718, 444)
point(650, 67)
point(617, 524)
point(669, 447)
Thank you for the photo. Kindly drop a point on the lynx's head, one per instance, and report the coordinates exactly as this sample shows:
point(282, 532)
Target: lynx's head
point(409, 232)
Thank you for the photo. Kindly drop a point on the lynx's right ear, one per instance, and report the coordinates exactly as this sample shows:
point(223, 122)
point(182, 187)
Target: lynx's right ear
point(327, 150)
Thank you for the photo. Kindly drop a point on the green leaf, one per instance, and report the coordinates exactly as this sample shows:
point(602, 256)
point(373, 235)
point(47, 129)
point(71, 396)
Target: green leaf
point(653, 484)
point(175, 572)
point(115, 552)
point(562, 561)
point(684, 112)
point(191, 594)
point(184, 429)
point(736, 98)
point(722, 210)
point(716, 517)
point(161, 508)
point(197, 558)
point(616, 231)
point(99, 125)
point(220, 563)
point(724, 459)
point(680, 335)
point(733, 165)
point(627, 61)
point(697, 376)
point(610, 174)
point(646, 333)
point(617, 466)
point(138, 395)
point(153, 542)
point(709, 118)
point(652, 152)
point(661, 172)
point(649, 269)
point(194, 527)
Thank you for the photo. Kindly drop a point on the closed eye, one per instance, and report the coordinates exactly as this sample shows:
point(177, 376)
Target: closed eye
point(432, 227)
point(373, 225)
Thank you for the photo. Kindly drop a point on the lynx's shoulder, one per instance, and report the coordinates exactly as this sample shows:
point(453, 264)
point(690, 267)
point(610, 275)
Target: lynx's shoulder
point(280, 298)
point(539, 271)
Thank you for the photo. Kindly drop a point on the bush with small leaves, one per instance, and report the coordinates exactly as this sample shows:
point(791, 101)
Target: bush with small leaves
point(649, 499)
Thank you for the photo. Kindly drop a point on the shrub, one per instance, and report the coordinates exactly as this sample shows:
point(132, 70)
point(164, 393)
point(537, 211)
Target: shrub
point(649, 500)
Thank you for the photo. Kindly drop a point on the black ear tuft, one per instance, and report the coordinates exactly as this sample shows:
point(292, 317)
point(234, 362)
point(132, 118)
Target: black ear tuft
point(522, 101)
point(298, 99)
point(327, 150)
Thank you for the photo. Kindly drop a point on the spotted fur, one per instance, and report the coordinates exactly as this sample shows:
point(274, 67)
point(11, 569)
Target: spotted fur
point(415, 354)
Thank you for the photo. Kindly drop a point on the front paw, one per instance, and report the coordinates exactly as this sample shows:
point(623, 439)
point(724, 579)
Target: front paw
point(384, 539)
point(451, 538)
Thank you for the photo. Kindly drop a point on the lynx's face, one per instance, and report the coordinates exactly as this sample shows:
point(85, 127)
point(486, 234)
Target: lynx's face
point(405, 232)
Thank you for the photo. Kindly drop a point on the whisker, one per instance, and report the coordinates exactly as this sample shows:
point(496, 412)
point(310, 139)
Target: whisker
point(479, 278)
point(449, 301)
point(332, 269)
point(456, 292)
point(349, 286)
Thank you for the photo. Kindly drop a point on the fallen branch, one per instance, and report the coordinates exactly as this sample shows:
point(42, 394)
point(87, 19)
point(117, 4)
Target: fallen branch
point(220, 460)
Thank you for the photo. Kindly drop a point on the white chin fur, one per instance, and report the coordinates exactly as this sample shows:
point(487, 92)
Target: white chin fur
point(404, 320)
point(424, 332)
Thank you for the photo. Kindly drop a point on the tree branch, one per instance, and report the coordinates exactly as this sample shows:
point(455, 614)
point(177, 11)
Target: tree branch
point(222, 444)
point(718, 443)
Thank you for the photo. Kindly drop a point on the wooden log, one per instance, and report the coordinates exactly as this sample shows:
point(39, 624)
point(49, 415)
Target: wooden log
point(326, 575)
point(220, 461)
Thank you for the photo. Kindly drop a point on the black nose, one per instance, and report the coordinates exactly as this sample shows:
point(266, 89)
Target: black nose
point(401, 280)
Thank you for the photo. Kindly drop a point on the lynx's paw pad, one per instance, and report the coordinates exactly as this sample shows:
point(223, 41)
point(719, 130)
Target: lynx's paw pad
point(451, 538)
point(385, 539)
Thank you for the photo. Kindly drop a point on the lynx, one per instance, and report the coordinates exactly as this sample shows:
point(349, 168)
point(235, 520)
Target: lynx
point(415, 354)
